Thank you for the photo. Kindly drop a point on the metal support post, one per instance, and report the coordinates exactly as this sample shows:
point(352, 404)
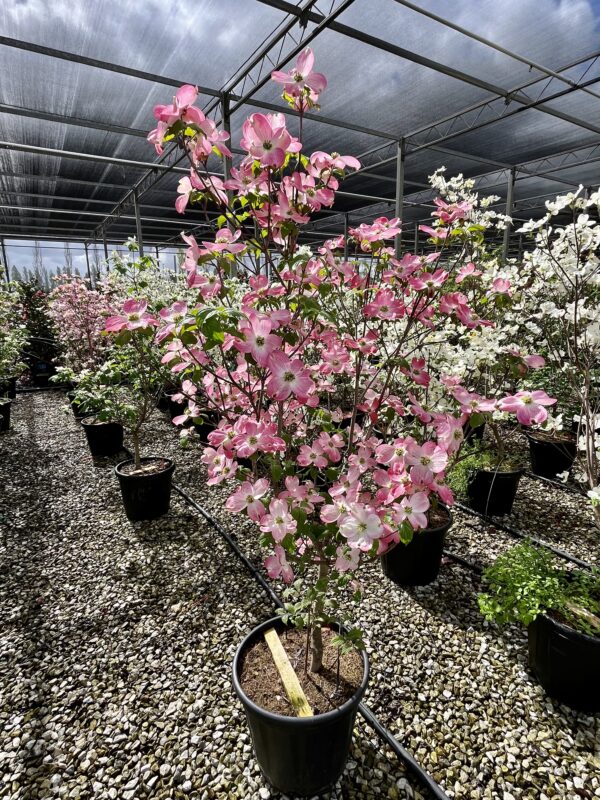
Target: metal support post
point(509, 210)
point(4, 260)
point(87, 261)
point(416, 237)
point(105, 249)
point(345, 237)
point(400, 158)
point(138, 223)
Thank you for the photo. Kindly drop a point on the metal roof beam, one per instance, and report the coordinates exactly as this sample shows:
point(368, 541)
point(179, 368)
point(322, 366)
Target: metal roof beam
point(493, 45)
point(8, 41)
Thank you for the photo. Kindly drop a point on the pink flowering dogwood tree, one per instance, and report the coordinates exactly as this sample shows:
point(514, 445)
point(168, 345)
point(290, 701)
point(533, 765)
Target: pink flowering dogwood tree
point(313, 400)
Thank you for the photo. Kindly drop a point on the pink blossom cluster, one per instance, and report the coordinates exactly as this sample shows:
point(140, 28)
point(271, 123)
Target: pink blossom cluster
point(324, 425)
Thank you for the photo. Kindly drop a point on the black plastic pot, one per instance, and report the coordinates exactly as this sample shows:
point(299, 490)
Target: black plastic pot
point(493, 492)
point(298, 755)
point(103, 438)
point(146, 495)
point(8, 388)
point(550, 458)
point(566, 663)
point(176, 408)
point(418, 562)
point(5, 414)
point(41, 372)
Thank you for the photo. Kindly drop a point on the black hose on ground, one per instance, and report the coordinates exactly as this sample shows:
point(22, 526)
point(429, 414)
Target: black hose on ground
point(517, 534)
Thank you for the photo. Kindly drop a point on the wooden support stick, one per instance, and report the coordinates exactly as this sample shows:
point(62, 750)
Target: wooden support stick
point(288, 676)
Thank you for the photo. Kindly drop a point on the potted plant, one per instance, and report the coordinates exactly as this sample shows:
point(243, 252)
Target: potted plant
point(42, 348)
point(561, 610)
point(561, 305)
point(418, 561)
point(552, 449)
point(323, 484)
point(134, 367)
point(13, 337)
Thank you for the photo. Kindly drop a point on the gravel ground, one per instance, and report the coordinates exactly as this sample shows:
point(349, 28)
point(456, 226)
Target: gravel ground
point(105, 632)
point(117, 637)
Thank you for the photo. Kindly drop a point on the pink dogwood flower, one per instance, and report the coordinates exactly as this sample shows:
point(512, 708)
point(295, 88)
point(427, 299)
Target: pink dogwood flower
point(277, 565)
point(528, 406)
point(225, 241)
point(301, 76)
point(278, 522)
point(413, 508)
point(257, 338)
point(288, 377)
point(134, 317)
point(248, 498)
point(266, 138)
point(361, 527)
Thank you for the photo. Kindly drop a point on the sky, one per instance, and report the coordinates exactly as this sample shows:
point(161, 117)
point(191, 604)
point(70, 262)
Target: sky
point(206, 41)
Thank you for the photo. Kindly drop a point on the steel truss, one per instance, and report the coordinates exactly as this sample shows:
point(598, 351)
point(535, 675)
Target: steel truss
point(304, 23)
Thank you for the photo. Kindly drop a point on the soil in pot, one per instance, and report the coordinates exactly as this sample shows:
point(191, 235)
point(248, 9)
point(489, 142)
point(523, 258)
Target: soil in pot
point(146, 492)
point(551, 455)
point(418, 562)
point(5, 414)
point(492, 492)
point(103, 438)
point(262, 683)
point(299, 756)
point(566, 662)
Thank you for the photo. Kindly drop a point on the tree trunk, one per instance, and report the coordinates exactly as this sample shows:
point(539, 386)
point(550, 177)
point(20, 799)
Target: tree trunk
point(137, 461)
point(316, 638)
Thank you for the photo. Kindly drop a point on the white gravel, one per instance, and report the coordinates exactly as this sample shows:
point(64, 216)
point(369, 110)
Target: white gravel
point(117, 637)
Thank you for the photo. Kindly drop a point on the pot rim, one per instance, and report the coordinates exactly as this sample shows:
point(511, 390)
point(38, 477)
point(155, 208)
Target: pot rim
point(520, 471)
point(84, 421)
point(567, 630)
point(566, 436)
point(425, 531)
point(281, 719)
point(169, 468)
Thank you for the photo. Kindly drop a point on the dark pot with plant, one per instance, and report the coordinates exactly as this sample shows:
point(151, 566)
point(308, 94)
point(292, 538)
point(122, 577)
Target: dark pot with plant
point(551, 452)
point(561, 610)
point(8, 388)
point(298, 755)
point(417, 562)
point(134, 366)
point(486, 480)
point(5, 405)
point(103, 438)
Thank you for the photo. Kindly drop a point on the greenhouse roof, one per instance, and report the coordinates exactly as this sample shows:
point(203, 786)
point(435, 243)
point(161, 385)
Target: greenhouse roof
point(508, 93)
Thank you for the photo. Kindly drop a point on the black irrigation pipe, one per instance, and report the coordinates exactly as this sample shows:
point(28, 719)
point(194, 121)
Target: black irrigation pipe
point(517, 534)
point(477, 568)
point(557, 484)
point(412, 766)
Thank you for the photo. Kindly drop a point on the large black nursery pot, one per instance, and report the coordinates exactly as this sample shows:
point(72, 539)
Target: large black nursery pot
point(8, 388)
point(41, 372)
point(492, 492)
point(418, 562)
point(146, 495)
point(103, 438)
point(551, 455)
point(5, 405)
point(301, 756)
point(566, 663)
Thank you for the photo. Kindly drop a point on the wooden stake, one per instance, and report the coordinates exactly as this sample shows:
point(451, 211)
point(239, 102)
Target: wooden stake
point(288, 676)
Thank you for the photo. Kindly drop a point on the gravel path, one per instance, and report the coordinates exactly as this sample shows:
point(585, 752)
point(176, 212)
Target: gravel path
point(117, 637)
